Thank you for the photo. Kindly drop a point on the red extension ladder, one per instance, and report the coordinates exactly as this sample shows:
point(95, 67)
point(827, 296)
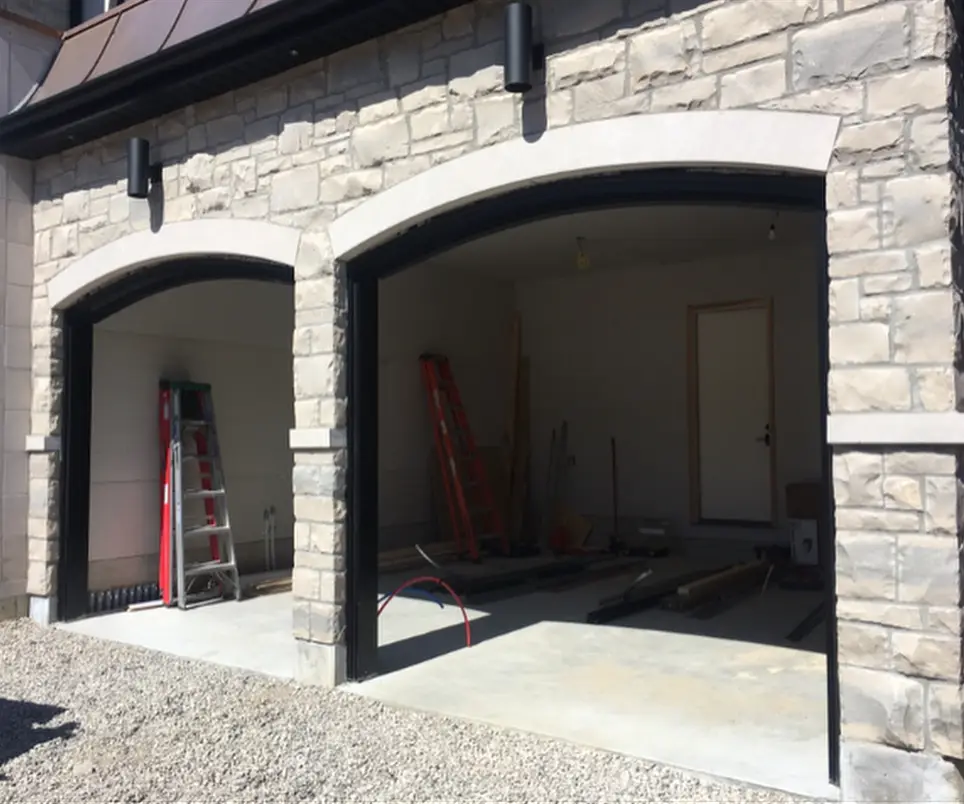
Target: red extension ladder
point(472, 509)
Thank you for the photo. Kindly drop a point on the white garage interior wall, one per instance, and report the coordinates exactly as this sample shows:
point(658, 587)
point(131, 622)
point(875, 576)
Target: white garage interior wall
point(608, 352)
point(233, 334)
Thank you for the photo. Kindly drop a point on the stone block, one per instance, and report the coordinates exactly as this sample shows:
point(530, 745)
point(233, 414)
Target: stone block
point(320, 665)
point(570, 68)
point(892, 615)
point(320, 510)
point(320, 376)
point(663, 53)
point(920, 462)
point(844, 300)
point(878, 773)
point(432, 121)
point(866, 565)
point(599, 99)
point(863, 645)
point(496, 120)
point(849, 48)
point(730, 23)
point(879, 138)
point(927, 655)
point(934, 389)
point(295, 189)
point(930, 40)
point(477, 72)
point(857, 479)
point(850, 230)
point(380, 142)
point(694, 93)
point(945, 712)
point(318, 480)
point(928, 570)
point(930, 140)
point(923, 327)
point(941, 514)
point(741, 55)
point(933, 265)
point(753, 85)
point(855, 390)
point(878, 519)
point(920, 89)
point(945, 620)
point(41, 578)
point(881, 707)
point(903, 492)
point(859, 343)
point(916, 209)
point(305, 582)
point(350, 186)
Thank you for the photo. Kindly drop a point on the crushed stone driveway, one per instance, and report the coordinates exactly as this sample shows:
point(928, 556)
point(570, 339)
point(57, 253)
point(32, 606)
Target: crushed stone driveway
point(84, 720)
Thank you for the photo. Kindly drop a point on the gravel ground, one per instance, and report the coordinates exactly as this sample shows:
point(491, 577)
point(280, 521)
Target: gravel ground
point(87, 720)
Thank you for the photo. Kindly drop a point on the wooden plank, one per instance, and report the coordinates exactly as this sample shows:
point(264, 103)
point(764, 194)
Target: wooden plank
point(519, 489)
point(732, 579)
point(407, 557)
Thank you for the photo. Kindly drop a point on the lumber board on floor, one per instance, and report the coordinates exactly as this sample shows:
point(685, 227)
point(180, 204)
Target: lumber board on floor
point(732, 579)
point(408, 557)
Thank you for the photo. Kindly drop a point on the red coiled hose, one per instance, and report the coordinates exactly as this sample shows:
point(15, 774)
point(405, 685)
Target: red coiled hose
point(449, 589)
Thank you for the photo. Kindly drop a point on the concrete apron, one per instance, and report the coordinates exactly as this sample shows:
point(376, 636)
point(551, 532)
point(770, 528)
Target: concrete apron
point(734, 709)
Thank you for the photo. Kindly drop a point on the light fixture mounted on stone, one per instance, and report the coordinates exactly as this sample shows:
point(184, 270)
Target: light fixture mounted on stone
point(141, 173)
point(522, 56)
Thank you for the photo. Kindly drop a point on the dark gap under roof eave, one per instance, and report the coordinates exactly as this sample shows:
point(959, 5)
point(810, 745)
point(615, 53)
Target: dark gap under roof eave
point(285, 34)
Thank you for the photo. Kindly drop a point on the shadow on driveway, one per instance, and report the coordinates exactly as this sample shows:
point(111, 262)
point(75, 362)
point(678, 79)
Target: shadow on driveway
point(23, 728)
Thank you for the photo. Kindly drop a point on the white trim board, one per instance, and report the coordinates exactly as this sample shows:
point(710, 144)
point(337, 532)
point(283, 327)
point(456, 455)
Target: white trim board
point(255, 240)
point(318, 438)
point(897, 429)
point(752, 139)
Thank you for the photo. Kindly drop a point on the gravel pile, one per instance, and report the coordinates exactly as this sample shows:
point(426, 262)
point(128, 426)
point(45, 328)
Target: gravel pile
point(85, 720)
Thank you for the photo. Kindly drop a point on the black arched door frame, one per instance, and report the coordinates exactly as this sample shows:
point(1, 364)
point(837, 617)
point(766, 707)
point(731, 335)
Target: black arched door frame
point(78, 322)
point(504, 211)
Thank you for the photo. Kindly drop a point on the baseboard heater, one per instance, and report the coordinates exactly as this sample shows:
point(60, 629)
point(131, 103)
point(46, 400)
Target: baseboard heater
point(121, 597)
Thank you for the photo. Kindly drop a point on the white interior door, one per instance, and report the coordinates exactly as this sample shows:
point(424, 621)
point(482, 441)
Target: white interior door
point(735, 431)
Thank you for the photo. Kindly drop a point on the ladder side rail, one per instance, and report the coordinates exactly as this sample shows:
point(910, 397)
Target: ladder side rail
point(473, 459)
point(177, 496)
point(166, 548)
point(226, 537)
point(436, 414)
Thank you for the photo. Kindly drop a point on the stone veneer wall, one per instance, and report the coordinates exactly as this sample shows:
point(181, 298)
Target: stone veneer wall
point(24, 55)
point(304, 147)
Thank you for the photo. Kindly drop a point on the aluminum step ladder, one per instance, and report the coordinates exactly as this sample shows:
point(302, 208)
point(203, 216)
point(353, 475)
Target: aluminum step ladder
point(195, 501)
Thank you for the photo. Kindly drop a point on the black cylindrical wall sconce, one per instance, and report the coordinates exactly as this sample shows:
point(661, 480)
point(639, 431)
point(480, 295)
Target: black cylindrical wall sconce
point(138, 168)
point(518, 47)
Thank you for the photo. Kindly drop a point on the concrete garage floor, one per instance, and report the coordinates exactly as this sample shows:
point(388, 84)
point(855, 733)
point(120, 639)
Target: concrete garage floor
point(709, 696)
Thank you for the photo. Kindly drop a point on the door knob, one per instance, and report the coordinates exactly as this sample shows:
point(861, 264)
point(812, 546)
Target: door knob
point(765, 438)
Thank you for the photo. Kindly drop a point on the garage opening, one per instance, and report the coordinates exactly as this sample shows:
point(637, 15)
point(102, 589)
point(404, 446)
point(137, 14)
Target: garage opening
point(231, 335)
point(645, 385)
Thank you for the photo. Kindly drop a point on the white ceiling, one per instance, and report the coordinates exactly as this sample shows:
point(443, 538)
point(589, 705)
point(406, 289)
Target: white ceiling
point(626, 237)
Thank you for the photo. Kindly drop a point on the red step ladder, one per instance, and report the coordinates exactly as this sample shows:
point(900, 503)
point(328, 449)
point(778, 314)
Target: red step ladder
point(472, 509)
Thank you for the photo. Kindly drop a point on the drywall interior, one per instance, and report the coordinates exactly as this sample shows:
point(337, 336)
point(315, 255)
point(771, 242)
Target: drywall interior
point(233, 334)
point(608, 352)
point(456, 314)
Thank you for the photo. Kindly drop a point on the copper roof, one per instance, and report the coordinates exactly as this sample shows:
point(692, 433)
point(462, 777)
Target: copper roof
point(133, 31)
